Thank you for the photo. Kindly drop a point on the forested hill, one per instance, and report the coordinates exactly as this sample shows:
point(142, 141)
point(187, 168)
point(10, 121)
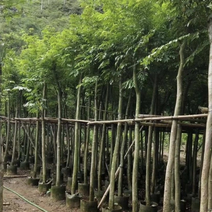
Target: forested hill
point(69, 44)
point(34, 15)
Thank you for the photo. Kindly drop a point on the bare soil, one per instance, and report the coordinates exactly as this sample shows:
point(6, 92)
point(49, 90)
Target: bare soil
point(13, 202)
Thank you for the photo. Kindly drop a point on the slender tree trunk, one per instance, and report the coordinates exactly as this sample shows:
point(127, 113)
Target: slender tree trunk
point(18, 142)
point(19, 125)
point(28, 143)
point(155, 139)
point(102, 143)
point(208, 138)
point(155, 160)
point(36, 149)
point(142, 153)
point(76, 158)
point(59, 98)
point(72, 131)
point(201, 165)
point(148, 161)
point(129, 161)
point(112, 143)
point(8, 129)
point(116, 149)
point(170, 164)
point(62, 138)
point(68, 145)
point(189, 156)
point(177, 170)
point(24, 143)
point(87, 143)
point(79, 146)
point(14, 138)
point(54, 136)
point(149, 145)
point(94, 145)
point(136, 152)
point(194, 164)
point(210, 187)
point(76, 142)
point(120, 183)
point(146, 141)
point(172, 186)
point(43, 149)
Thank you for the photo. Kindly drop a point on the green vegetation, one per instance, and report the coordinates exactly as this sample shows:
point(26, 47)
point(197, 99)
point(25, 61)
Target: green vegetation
point(56, 41)
point(53, 40)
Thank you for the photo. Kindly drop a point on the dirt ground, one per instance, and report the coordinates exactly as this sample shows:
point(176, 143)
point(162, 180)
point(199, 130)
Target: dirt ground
point(12, 202)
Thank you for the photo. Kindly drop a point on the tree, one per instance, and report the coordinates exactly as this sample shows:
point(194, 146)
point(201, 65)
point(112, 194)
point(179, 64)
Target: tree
point(116, 148)
point(169, 170)
point(208, 138)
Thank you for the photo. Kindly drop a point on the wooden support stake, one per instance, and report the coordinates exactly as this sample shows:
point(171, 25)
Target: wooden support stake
point(24, 127)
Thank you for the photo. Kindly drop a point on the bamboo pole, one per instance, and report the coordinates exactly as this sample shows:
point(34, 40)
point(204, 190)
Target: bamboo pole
point(180, 117)
point(142, 117)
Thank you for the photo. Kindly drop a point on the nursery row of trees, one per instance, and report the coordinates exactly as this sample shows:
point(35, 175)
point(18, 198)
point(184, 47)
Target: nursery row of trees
point(105, 60)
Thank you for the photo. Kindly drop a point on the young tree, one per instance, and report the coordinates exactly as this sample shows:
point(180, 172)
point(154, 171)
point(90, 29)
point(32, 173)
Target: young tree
point(116, 148)
point(169, 169)
point(208, 137)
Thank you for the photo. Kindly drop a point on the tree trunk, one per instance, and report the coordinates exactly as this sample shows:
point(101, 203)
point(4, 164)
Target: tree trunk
point(136, 152)
point(194, 163)
point(120, 183)
point(18, 141)
point(148, 161)
point(102, 142)
point(94, 145)
point(59, 98)
point(208, 136)
point(14, 138)
point(8, 130)
point(129, 161)
point(202, 157)
point(87, 143)
point(62, 137)
point(112, 143)
point(116, 149)
point(76, 142)
point(170, 163)
point(68, 146)
point(28, 143)
point(149, 145)
point(36, 149)
point(176, 169)
point(210, 187)
point(189, 156)
point(54, 137)
point(155, 160)
point(43, 151)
